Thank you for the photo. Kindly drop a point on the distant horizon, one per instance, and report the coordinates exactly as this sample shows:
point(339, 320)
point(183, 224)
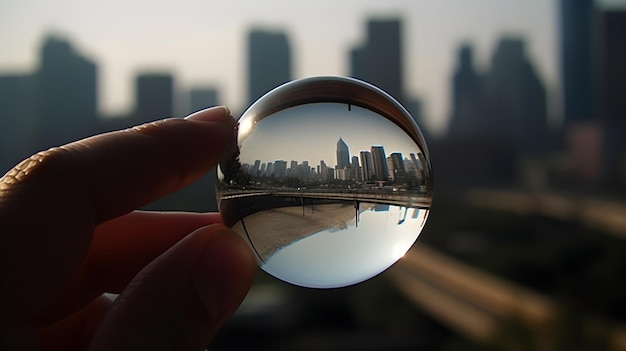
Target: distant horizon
point(203, 45)
point(208, 47)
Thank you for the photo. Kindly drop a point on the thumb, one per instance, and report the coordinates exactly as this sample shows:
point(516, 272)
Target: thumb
point(181, 299)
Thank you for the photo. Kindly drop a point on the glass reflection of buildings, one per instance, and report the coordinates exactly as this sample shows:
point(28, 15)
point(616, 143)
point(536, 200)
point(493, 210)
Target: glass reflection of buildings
point(370, 168)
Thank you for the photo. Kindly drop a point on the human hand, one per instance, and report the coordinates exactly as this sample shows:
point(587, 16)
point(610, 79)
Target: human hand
point(68, 234)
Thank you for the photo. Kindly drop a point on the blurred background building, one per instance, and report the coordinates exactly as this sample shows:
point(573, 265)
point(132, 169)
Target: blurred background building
point(269, 62)
point(525, 247)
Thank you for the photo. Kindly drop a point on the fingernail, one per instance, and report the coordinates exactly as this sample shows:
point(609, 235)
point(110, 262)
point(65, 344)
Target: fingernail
point(212, 114)
point(223, 275)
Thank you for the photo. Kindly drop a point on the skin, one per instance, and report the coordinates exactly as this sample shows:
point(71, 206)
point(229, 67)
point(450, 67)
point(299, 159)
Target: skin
point(69, 232)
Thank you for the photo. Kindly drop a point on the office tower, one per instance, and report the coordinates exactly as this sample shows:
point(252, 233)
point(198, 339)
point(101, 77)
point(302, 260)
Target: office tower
point(326, 173)
point(423, 168)
point(256, 167)
point(367, 166)
point(416, 161)
point(577, 49)
point(323, 170)
point(379, 162)
point(398, 171)
point(355, 161)
point(280, 168)
point(66, 96)
point(303, 171)
point(343, 154)
point(612, 63)
point(201, 98)
point(612, 101)
point(269, 62)
point(154, 96)
point(515, 98)
point(379, 59)
point(466, 115)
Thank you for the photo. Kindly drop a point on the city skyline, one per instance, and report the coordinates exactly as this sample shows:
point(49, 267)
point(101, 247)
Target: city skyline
point(55, 103)
point(369, 166)
point(429, 64)
point(310, 132)
point(129, 49)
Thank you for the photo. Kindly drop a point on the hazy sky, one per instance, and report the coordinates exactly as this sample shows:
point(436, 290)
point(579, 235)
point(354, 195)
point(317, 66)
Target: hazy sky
point(203, 42)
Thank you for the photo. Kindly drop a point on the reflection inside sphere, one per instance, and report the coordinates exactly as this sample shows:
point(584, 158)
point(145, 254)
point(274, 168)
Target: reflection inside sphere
point(328, 191)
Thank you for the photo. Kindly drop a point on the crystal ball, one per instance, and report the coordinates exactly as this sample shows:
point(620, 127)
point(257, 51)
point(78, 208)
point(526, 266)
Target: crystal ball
point(328, 180)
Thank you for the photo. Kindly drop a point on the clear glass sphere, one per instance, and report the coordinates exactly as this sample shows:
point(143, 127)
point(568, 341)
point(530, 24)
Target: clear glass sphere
point(329, 181)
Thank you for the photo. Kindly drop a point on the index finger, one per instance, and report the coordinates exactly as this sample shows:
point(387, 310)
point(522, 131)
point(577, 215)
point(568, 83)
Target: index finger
point(111, 174)
point(51, 203)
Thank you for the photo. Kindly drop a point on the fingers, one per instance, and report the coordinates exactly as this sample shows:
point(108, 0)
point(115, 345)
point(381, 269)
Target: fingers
point(120, 248)
point(180, 300)
point(114, 173)
point(51, 203)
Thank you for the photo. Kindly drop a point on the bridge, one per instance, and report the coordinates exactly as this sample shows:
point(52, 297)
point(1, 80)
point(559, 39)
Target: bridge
point(400, 198)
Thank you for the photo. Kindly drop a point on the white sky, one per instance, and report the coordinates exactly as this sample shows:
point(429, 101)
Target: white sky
point(203, 42)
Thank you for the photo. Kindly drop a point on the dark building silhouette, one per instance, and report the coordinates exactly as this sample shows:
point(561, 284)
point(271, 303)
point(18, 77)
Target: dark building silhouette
point(466, 115)
point(577, 51)
point(66, 93)
point(280, 168)
point(612, 97)
point(154, 97)
point(201, 98)
point(379, 59)
point(381, 170)
point(269, 62)
point(515, 98)
point(367, 166)
point(612, 64)
point(398, 172)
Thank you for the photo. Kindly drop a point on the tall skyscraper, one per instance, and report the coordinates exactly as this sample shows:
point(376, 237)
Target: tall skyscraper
point(367, 166)
point(343, 154)
point(466, 115)
point(379, 59)
point(398, 171)
point(381, 170)
point(577, 76)
point(269, 62)
point(612, 63)
point(280, 168)
point(66, 93)
point(256, 167)
point(612, 101)
point(154, 96)
point(515, 98)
